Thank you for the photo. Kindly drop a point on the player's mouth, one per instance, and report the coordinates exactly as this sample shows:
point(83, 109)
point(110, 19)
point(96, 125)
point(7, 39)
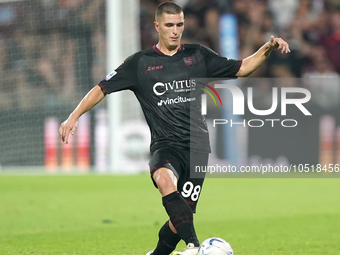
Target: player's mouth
point(174, 38)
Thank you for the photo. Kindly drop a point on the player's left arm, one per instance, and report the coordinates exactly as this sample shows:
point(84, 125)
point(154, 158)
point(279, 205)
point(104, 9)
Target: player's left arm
point(251, 63)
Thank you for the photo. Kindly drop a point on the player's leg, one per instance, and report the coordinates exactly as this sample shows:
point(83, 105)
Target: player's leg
point(180, 214)
point(167, 241)
point(190, 189)
point(166, 182)
point(165, 176)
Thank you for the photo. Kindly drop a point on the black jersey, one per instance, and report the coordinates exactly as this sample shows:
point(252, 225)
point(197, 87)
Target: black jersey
point(163, 86)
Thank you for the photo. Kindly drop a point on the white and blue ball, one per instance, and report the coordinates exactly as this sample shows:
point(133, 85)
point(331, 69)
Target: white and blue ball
point(215, 246)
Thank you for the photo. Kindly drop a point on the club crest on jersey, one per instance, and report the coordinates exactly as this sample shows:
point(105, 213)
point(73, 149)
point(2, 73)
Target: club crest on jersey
point(110, 75)
point(189, 61)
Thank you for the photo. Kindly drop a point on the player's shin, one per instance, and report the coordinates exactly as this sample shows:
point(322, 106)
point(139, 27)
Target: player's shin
point(167, 242)
point(181, 217)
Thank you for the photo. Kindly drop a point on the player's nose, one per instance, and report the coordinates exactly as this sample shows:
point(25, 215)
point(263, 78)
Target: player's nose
point(175, 31)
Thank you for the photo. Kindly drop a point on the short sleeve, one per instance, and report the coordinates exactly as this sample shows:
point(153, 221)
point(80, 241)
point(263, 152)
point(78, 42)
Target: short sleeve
point(220, 67)
point(124, 77)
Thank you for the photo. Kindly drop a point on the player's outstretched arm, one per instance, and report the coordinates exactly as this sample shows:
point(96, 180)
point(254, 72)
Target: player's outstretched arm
point(92, 98)
point(251, 63)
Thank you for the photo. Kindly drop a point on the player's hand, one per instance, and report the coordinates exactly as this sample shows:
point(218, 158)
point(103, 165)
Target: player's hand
point(278, 43)
point(69, 125)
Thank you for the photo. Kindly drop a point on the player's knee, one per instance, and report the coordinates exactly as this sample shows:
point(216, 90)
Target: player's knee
point(166, 185)
point(166, 181)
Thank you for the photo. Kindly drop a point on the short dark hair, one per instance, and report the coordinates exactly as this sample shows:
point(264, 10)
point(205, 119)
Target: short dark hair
point(167, 7)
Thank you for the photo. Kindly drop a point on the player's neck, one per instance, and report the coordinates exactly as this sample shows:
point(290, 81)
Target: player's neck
point(167, 51)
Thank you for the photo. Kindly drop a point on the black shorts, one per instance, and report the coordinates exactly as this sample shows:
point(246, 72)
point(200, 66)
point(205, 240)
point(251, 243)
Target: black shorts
point(178, 161)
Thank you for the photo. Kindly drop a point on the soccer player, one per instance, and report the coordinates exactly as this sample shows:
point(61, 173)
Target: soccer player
point(162, 79)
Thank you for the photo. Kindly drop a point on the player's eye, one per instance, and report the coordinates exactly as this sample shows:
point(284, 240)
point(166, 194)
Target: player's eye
point(180, 24)
point(169, 25)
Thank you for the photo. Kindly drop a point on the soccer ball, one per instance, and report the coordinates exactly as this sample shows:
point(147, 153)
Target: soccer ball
point(215, 246)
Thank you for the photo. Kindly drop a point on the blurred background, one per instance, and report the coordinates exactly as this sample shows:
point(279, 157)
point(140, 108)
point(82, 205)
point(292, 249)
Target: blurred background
point(52, 52)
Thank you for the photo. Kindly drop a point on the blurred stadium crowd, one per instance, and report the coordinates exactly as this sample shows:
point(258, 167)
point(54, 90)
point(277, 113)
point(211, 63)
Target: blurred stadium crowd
point(53, 49)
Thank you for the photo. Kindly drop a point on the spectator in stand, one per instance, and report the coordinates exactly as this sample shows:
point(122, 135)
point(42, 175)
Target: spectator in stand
point(283, 12)
point(332, 42)
point(56, 67)
point(206, 17)
point(255, 24)
point(323, 81)
point(193, 32)
point(21, 58)
point(147, 17)
point(74, 18)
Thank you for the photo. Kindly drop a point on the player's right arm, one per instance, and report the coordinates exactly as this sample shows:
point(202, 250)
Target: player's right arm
point(122, 78)
point(92, 98)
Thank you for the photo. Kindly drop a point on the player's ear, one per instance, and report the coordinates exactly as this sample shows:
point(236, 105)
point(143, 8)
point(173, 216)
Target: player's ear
point(156, 25)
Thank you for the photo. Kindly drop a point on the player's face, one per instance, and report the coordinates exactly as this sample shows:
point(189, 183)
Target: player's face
point(170, 28)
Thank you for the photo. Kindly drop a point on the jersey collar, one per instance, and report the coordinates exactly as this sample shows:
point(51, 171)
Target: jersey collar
point(155, 49)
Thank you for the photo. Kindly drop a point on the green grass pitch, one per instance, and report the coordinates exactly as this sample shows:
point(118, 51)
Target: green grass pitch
point(104, 215)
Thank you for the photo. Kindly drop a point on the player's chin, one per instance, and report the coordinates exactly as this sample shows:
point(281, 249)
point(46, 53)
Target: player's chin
point(174, 43)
